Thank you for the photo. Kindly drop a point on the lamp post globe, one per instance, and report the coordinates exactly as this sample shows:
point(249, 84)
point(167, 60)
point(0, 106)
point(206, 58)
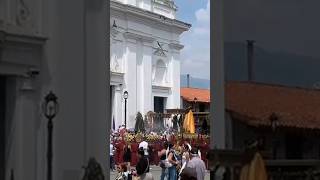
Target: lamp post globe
point(50, 108)
point(125, 96)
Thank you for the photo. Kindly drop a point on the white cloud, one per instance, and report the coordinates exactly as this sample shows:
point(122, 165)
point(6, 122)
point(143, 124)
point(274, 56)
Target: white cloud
point(195, 57)
point(201, 30)
point(203, 15)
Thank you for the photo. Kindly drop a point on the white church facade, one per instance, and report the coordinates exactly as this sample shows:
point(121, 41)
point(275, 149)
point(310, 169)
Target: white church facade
point(60, 46)
point(56, 46)
point(144, 57)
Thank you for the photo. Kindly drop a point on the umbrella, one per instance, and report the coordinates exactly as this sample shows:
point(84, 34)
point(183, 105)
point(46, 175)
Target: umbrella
point(188, 123)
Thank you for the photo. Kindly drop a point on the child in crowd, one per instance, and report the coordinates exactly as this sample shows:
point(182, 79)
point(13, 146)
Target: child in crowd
point(122, 172)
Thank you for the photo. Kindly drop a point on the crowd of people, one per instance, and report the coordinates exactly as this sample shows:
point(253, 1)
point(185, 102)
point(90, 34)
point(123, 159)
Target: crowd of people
point(176, 162)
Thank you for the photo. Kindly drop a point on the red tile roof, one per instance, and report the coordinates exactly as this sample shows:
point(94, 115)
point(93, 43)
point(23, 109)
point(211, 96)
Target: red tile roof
point(202, 95)
point(253, 103)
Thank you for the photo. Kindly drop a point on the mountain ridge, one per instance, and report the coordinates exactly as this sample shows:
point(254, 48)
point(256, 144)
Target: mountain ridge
point(194, 82)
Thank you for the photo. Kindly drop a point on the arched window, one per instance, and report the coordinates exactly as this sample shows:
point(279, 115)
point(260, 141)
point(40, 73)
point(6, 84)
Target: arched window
point(160, 72)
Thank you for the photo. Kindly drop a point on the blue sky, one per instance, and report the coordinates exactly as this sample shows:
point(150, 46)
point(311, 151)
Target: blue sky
point(195, 57)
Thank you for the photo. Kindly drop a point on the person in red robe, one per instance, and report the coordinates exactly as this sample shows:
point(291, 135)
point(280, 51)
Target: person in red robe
point(151, 153)
point(204, 151)
point(134, 153)
point(117, 152)
point(157, 147)
point(121, 146)
point(122, 132)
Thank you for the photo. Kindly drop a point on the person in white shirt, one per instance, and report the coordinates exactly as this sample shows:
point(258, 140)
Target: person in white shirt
point(144, 145)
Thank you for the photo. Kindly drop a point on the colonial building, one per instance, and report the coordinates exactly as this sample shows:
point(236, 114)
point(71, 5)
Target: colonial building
point(286, 119)
point(199, 100)
point(144, 58)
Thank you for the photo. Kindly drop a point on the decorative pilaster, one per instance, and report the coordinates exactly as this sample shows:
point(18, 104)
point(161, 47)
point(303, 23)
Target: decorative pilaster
point(26, 123)
point(131, 77)
point(138, 64)
point(174, 74)
point(147, 78)
point(118, 110)
point(140, 77)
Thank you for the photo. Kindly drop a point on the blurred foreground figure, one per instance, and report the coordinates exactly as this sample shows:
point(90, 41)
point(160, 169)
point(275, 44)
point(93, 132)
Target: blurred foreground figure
point(255, 170)
point(197, 163)
point(188, 174)
point(93, 171)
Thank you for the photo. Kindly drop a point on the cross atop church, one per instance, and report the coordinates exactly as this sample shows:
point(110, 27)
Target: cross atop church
point(159, 50)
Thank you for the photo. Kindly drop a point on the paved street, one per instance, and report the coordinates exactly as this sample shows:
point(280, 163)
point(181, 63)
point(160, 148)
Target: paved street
point(155, 170)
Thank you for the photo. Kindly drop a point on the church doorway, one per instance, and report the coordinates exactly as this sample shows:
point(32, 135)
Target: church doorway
point(159, 104)
point(2, 125)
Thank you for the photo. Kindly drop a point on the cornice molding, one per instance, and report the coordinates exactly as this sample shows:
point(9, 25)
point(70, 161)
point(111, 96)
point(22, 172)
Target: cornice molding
point(161, 89)
point(176, 46)
point(116, 78)
point(19, 52)
point(148, 44)
point(138, 37)
point(132, 10)
point(20, 38)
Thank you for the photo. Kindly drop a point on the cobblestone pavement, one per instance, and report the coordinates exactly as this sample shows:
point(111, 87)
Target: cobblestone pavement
point(156, 171)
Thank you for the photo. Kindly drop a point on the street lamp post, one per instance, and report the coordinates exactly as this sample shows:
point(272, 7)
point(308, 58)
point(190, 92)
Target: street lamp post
point(195, 110)
point(50, 109)
point(125, 96)
point(195, 102)
point(274, 122)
